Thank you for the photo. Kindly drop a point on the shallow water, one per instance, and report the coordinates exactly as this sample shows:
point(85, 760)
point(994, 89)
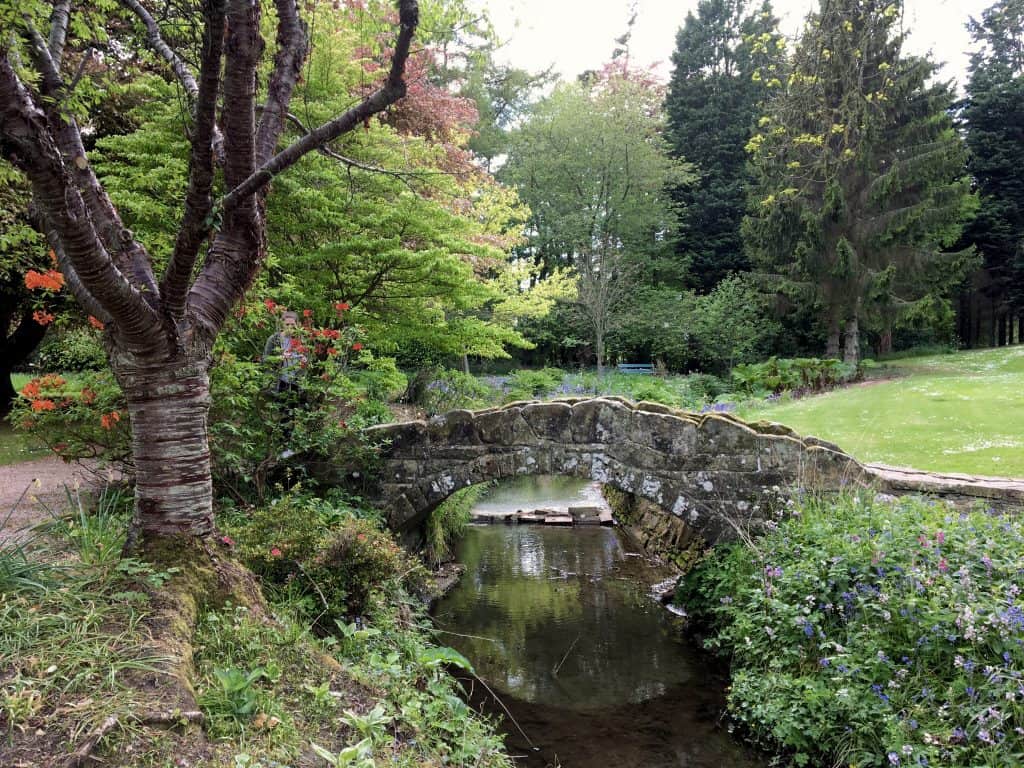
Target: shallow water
point(561, 624)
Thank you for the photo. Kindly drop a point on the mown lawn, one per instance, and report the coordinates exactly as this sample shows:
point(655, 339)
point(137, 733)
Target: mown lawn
point(960, 412)
point(16, 446)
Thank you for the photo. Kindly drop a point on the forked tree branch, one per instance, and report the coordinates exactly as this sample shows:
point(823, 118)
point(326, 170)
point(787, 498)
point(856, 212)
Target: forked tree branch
point(237, 250)
point(198, 198)
point(26, 139)
point(391, 91)
point(128, 255)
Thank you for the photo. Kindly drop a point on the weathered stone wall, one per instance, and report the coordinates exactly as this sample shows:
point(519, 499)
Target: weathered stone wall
point(711, 470)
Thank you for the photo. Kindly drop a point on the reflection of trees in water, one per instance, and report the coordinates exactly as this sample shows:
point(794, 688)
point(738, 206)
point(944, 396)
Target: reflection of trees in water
point(609, 637)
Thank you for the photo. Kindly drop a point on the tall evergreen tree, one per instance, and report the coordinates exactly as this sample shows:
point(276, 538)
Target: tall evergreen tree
point(994, 115)
point(861, 183)
point(712, 106)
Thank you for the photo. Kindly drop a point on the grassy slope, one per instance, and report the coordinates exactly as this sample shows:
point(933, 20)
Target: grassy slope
point(956, 413)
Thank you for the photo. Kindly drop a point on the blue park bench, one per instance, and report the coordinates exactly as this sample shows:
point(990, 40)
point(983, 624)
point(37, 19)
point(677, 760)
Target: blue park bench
point(644, 369)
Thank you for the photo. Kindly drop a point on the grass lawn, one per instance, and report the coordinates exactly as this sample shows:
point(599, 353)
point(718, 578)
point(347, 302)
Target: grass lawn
point(15, 446)
point(961, 412)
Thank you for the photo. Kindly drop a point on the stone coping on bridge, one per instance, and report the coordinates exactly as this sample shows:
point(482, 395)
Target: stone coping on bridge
point(710, 469)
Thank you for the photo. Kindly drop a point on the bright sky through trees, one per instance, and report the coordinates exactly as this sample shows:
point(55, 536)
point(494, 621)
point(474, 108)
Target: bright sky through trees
point(575, 35)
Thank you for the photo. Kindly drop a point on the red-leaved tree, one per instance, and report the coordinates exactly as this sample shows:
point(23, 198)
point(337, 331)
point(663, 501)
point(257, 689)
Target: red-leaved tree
point(160, 328)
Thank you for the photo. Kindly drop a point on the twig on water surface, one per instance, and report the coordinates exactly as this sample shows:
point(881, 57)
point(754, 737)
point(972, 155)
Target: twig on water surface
point(558, 666)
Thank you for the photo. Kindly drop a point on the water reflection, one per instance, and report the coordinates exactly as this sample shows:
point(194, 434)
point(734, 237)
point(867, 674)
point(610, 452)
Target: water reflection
point(560, 623)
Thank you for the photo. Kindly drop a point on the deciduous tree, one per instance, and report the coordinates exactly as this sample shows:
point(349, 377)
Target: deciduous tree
point(161, 326)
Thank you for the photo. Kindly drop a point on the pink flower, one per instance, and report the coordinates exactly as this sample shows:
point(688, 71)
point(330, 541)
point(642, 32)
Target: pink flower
point(227, 540)
point(275, 552)
point(943, 565)
point(940, 537)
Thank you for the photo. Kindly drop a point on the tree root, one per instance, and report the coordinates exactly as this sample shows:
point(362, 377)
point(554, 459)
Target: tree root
point(204, 576)
point(84, 751)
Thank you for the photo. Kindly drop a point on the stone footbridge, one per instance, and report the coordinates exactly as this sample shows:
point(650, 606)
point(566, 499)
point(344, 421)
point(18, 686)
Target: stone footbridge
point(713, 471)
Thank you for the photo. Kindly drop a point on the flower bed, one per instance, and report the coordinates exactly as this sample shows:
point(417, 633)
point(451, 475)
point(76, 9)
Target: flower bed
point(873, 633)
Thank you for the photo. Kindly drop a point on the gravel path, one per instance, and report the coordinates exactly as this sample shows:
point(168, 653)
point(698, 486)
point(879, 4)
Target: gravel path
point(29, 489)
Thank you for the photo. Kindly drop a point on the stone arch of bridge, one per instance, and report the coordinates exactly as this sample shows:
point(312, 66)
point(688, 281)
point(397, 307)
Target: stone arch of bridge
point(714, 472)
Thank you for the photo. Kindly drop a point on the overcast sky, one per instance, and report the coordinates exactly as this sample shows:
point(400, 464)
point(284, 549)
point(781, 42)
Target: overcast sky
point(576, 35)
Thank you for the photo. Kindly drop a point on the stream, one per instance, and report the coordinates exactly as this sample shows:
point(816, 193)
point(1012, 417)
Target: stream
point(560, 623)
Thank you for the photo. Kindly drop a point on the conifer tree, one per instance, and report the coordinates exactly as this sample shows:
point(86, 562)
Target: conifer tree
point(860, 172)
point(712, 107)
point(994, 116)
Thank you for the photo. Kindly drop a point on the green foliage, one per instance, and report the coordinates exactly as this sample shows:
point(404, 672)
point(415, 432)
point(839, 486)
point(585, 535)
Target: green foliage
point(732, 324)
point(993, 114)
point(71, 350)
point(861, 189)
point(800, 374)
point(526, 384)
point(450, 389)
point(712, 104)
point(860, 630)
point(358, 559)
point(447, 522)
point(593, 166)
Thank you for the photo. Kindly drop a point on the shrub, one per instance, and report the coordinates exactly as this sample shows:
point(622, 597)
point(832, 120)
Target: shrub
point(873, 633)
point(797, 374)
point(447, 522)
point(526, 384)
point(454, 389)
point(358, 559)
point(72, 350)
point(85, 417)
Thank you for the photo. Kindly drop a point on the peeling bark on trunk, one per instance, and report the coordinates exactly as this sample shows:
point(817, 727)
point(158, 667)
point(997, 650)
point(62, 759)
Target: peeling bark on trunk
point(851, 350)
point(168, 404)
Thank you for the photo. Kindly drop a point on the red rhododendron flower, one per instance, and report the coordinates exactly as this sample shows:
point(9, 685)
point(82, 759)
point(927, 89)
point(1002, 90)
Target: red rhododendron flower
point(269, 304)
point(307, 313)
point(341, 306)
point(42, 317)
point(43, 405)
point(357, 346)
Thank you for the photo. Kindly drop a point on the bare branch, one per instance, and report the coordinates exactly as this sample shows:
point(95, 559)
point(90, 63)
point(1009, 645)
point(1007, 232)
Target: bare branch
point(393, 89)
point(26, 140)
point(59, 19)
point(155, 40)
point(292, 48)
point(198, 198)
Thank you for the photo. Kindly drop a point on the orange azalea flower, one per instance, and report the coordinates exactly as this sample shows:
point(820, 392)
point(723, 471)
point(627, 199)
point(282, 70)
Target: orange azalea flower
point(53, 380)
point(96, 323)
point(53, 257)
point(43, 405)
point(357, 346)
point(52, 280)
point(341, 306)
point(42, 317)
point(88, 396)
point(31, 390)
point(307, 313)
point(108, 420)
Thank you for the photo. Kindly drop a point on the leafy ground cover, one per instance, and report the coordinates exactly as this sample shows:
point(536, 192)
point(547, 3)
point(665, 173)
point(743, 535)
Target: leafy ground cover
point(954, 413)
point(867, 633)
point(277, 687)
